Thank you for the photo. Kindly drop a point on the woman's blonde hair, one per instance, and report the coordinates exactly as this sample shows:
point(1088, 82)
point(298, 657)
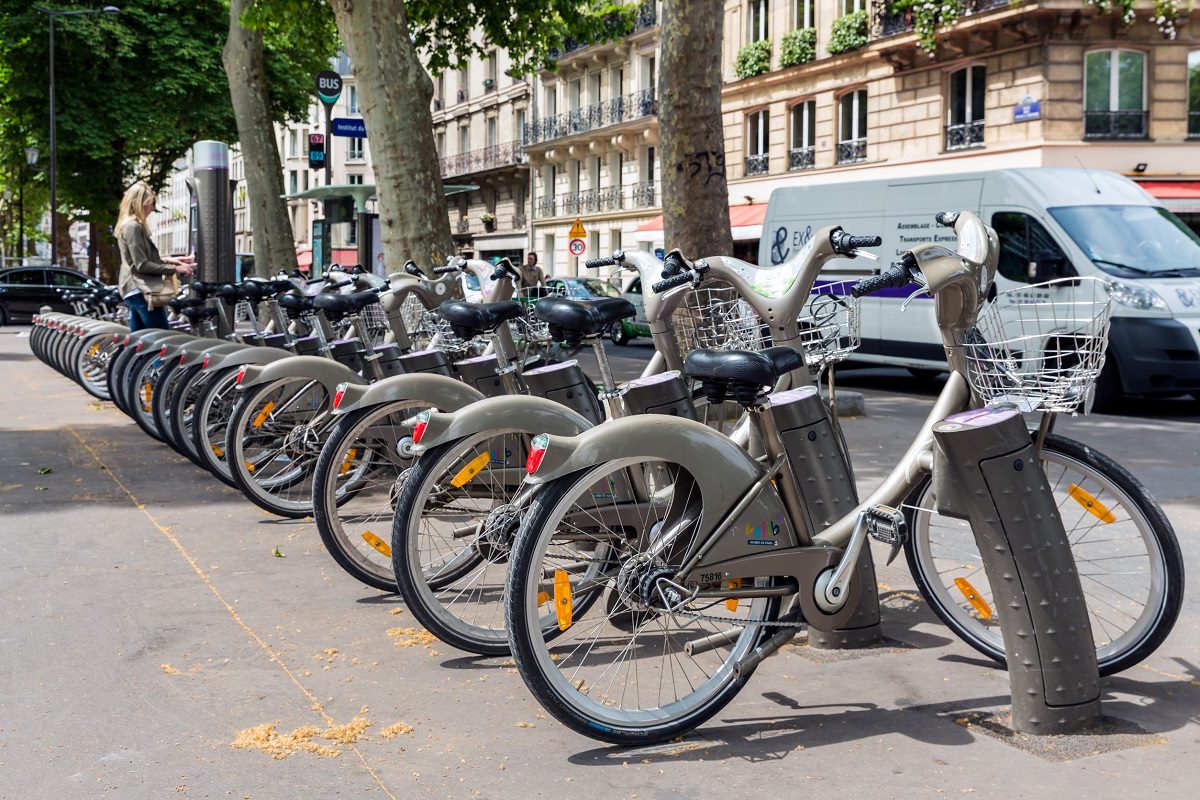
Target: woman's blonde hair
point(133, 205)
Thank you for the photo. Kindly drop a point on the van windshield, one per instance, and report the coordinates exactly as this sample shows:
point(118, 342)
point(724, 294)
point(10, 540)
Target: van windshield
point(1133, 241)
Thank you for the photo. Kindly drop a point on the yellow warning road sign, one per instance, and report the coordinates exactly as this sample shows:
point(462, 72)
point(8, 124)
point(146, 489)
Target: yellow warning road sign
point(577, 230)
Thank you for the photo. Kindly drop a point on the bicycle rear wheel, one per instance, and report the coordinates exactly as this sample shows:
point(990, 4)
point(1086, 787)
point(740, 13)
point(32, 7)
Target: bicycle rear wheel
point(275, 436)
point(1128, 559)
point(636, 672)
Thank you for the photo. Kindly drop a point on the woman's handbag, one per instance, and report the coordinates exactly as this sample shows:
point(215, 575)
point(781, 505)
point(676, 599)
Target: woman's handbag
point(168, 292)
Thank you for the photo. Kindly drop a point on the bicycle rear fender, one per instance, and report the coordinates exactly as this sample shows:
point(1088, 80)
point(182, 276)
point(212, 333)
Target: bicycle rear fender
point(221, 358)
point(326, 371)
point(724, 471)
point(521, 413)
point(438, 391)
point(193, 353)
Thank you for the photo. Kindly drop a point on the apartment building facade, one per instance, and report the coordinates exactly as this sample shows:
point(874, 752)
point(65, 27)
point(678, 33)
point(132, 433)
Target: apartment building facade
point(592, 144)
point(851, 90)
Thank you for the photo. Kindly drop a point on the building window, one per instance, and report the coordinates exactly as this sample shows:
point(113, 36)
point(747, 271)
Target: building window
point(1194, 94)
point(964, 112)
point(489, 80)
point(293, 147)
point(1114, 96)
point(352, 101)
point(355, 180)
point(519, 125)
point(850, 6)
point(802, 153)
point(464, 139)
point(493, 132)
point(758, 142)
point(548, 254)
point(757, 14)
point(439, 95)
point(804, 14)
point(354, 149)
point(304, 180)
point(293, 182)
point(852, 127)
point(441, 145)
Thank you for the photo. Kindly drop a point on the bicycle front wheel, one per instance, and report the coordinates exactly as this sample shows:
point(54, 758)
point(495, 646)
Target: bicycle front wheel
point(654, 660)
point(1125, 550)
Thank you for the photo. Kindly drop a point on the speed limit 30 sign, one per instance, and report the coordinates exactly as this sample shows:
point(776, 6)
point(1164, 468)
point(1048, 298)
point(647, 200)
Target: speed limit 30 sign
point(577, 247)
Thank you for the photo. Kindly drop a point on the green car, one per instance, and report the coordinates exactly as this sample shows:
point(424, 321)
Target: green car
point(627, 330)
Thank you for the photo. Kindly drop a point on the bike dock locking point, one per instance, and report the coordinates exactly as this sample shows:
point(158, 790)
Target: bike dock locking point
point(987, 471)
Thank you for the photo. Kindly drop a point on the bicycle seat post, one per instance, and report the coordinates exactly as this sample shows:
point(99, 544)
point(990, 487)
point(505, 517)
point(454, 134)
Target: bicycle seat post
point(504, 366)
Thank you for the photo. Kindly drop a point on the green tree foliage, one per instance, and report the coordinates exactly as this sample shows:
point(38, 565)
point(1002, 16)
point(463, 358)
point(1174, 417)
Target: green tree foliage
point(299, 39)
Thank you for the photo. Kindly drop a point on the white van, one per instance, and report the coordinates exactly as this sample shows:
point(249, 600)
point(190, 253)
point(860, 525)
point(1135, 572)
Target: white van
point(1052, 223)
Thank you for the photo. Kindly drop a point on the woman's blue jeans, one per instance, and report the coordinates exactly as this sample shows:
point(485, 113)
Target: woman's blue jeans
point(140, 315)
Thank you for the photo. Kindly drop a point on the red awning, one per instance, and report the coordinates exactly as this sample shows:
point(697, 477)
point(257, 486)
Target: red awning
point(740, 216)
point(304, 258)
point(1172, 190)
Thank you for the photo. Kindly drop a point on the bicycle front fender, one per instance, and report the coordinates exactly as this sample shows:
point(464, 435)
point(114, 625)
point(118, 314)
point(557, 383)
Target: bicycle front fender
point(521, 413)
point(193, 352)
point(325, 371)
point(438, 391)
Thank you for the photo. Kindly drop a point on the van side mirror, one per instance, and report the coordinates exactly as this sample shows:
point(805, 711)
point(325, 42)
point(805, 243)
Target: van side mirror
point(1048, 266)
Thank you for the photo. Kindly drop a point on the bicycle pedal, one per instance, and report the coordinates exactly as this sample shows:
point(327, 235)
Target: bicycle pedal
point(887, 525)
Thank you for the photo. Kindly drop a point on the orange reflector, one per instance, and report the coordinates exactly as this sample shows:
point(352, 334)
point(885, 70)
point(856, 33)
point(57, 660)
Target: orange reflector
point(562, 599)
point(95, 349)
point(378, 544)
point(262, 415)
point(543, 598)
point(1093, 506)
point(218, 452)
point(732, 603)
point(148, 393)
point(470, 470)
point(349, 462)
point(973, 598)
point(250, 467)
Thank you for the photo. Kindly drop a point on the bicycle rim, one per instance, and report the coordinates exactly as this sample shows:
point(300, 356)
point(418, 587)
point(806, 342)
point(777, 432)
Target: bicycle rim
point(626, 668)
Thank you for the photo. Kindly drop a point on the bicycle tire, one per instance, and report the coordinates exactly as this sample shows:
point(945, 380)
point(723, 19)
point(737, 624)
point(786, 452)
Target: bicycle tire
point(210, 421)
point(1159, 534)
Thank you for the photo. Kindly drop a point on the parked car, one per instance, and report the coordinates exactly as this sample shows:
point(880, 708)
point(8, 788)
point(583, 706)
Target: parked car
point(24, 290)
point(588, 289)
point(627, 330)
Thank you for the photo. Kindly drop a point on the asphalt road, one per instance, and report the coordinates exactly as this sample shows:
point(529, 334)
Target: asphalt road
point(154, 617)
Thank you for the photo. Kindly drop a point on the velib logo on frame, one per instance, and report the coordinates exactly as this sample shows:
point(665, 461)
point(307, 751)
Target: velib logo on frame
point(764, 535)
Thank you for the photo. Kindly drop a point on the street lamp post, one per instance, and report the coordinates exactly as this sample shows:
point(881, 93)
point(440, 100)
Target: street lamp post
point(31, 155)
point(52, 13)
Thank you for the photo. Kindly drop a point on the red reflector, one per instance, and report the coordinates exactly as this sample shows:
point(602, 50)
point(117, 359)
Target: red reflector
point(182, 358)
point(162, 352)
point(138, 349)
point(537, 451)
point(204, 363)
point(126, 342)
point(419, 428)
point(242, 373)
point(337, 397)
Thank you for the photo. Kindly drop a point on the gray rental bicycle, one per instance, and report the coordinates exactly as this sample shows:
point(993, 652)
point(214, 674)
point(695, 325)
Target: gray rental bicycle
point(710, 560)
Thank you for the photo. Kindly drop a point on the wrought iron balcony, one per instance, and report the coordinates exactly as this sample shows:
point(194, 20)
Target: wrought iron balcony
point(582, 202)
point(519, 221)
point(888, 22)
point(612, 199)
point(643, 195)
point(545, 207)
point(508, 154)
point(1114, 125)
point(802, 157)
point(600, 115)
point(646, 17)
point(463, 226)
point(1193, 125)
point(758, 164)
point(851, 151)
point(964, 135)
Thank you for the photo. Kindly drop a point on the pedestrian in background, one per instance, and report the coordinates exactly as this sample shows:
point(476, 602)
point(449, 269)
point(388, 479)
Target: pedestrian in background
point(143, 283)
point(531, 273)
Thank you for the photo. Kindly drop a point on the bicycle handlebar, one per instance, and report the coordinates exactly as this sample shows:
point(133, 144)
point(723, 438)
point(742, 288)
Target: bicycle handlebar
point(672, 282)
point(596, 263)
point(946, 218)
point(674, 264)
point(895, 277)
point(445, 270)
point(846, 243)
point(340, 284)
point(412, 269)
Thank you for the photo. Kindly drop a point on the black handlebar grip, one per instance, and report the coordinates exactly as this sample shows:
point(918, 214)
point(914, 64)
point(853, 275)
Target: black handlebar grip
point(673, 264)
point(866, 241)
point(340, 284)
point(671, 282)
point(843, 242)
point(891, 278)
point(596, 263)
point(444, 270)
point(412, 269)
point(946, 218)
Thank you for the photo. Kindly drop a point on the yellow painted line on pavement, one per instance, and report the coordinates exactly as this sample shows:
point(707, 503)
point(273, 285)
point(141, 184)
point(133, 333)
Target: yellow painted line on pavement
point(314, 703)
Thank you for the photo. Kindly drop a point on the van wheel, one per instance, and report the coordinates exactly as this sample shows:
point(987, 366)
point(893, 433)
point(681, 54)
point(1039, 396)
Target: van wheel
point(1108, 387)
point(924, 374)
point(618, 334)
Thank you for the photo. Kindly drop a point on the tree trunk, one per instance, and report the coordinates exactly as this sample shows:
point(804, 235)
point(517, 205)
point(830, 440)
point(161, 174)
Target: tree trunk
point(110, 260)
point(274, 243)
point(94, 245)
point(695, 195)
point(66, 249)
point(395, 92)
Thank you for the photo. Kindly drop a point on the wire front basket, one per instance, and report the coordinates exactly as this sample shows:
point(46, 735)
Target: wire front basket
point(830, 325)
point(528, 328)
point(714, 317)
point(1041, 346)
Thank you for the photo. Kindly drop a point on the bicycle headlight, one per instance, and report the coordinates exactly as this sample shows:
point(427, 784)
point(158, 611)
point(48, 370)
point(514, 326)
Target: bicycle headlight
point(1140, 297)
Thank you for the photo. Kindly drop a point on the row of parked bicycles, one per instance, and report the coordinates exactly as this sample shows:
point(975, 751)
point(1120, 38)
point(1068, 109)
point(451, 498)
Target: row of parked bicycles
point(637, 548)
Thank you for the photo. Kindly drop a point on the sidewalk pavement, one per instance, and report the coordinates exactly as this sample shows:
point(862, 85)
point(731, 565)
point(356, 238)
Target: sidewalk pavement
point(154, 616)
